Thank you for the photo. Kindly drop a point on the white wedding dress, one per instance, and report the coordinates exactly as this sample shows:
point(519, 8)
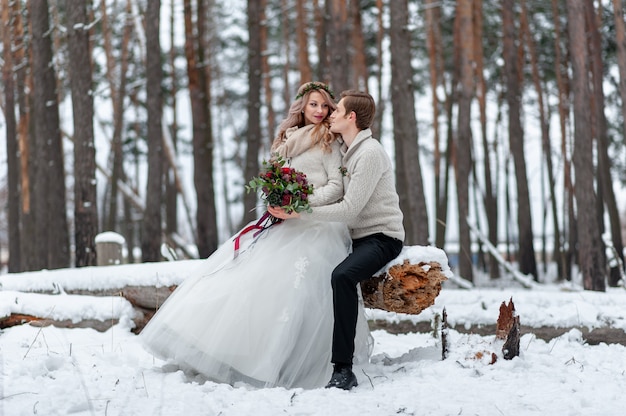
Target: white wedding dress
point(264, 317)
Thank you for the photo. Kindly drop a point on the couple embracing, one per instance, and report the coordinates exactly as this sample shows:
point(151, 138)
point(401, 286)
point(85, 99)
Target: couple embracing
point(286, 311)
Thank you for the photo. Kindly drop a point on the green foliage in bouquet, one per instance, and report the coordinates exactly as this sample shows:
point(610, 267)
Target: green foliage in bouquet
point(282, 186)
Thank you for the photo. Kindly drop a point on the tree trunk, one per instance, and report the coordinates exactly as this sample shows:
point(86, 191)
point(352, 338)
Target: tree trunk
point(85, 195)
point(267, 83)
point(171, 189)
point(605, 181)
point(569, 221)
point(202, 136)
point(24, 87)
point(118, 96)
point(380, 34)
point(359, 66)
point(590, 252)
point(52, 235)
point(339, 56)
point(320, 40)
point(302, 20)
point(463, 148)
point(408, 170)
point(545, 135)
point(435, 51)
point(620, 41)
point(286, 29)
point(13, 155)
point(490, 199)
point(526, 254)
point(254, 106)
point(207, 215)
point(151, 226)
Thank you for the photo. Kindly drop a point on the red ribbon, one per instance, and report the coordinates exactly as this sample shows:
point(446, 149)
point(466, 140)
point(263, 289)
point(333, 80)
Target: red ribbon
point(258, 226)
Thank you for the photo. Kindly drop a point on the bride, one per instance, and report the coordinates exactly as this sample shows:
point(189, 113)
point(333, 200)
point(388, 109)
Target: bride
point(264, 316)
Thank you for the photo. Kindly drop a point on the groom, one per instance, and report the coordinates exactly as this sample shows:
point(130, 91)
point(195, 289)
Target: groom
point(370, 208)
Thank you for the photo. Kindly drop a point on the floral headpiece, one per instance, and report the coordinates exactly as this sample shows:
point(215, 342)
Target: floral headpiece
point(315, 86)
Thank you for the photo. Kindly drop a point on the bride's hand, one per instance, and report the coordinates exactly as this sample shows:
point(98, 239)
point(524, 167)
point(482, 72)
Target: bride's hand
point(279, 212)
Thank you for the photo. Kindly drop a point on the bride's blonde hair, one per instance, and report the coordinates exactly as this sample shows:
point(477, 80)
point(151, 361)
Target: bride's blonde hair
point(295, 117)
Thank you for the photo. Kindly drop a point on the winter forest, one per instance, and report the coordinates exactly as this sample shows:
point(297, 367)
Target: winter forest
point(504, 119)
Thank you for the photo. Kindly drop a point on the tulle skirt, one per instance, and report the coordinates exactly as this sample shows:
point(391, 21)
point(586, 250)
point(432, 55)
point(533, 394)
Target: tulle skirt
point(263, 317)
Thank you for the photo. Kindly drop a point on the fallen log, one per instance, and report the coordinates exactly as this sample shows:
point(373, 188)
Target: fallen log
point(409, 284)
point(405, 288)
point(21, 319)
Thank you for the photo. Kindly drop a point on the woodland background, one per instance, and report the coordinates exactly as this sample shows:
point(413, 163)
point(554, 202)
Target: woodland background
point(505, 121)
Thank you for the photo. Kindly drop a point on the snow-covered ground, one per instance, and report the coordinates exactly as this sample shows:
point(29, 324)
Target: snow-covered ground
point(52, 371)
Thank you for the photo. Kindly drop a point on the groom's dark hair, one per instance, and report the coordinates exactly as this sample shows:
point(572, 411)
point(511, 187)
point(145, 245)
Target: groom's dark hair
point(363, 106)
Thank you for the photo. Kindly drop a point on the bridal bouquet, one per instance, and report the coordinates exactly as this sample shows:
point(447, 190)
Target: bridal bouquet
point(282, 186)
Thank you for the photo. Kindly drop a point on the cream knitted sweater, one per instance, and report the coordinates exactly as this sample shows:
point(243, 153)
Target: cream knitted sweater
point(370, 204)
point(322, 168)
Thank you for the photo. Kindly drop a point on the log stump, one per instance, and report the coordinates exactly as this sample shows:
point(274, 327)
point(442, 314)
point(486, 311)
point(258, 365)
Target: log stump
point(405, 288)
point(508, 330)
point(109, 248)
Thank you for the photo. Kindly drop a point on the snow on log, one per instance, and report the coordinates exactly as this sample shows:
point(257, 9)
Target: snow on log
point(410, 283)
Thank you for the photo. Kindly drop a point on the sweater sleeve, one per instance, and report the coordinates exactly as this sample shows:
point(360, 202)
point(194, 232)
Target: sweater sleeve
point(365, 173)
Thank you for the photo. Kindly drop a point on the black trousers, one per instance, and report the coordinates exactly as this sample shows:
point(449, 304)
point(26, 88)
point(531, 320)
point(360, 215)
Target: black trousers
point(369, 255)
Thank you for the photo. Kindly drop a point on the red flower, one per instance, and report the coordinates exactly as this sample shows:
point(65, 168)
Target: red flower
point(282, 186)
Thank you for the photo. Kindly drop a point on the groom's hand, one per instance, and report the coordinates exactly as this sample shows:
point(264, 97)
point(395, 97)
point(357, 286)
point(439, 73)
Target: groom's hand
point(279, 212)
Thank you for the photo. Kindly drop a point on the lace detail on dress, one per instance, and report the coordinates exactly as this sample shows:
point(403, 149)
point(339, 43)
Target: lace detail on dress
point(300, 265)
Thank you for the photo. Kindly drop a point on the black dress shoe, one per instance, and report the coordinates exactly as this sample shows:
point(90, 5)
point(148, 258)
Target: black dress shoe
point(342, 379)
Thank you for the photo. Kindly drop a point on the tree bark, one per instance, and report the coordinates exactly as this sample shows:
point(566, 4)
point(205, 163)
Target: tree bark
point(171, 188)
point(490, 199)
point(254, 107)
point(151, 226)
point(408, 170)
point(118, 98)
point(52, 235)
point(13, 155)
point(620, 41)
point(267, 82)
point(545, 137)
point(463, 148)
point(526, 254)
point(569, 220)
point(206, 214)
point(590, 252)
point(302, 20)
point(435, 64)
point(24, 87)
point(359, 66)
point(380, 35)
point(286, 29)
point(320, 40)
point(605, 181)
point(85, 195)
point(339, 55)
